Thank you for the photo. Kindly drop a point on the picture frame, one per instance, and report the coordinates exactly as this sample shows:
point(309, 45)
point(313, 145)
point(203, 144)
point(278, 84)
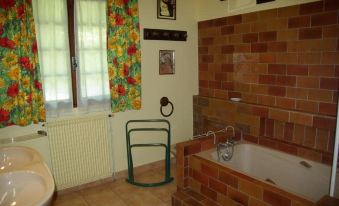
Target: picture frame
point(166, 9)
point(166, 62)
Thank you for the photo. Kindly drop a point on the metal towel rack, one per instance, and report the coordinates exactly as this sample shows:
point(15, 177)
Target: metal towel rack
point(167, 146)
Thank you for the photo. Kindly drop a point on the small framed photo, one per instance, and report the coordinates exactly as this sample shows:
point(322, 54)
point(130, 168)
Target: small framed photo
point(167, 9)
point(166, 62)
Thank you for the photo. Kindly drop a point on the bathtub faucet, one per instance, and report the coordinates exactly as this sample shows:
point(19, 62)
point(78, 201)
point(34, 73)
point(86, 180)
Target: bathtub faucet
point(214, 136)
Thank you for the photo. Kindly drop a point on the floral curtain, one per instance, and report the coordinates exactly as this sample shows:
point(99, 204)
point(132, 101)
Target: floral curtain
point(123, 53)
point(21, 98)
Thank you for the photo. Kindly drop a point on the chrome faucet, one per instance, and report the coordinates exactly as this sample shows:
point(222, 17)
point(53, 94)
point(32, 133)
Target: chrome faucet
point(225, 150)
point(214, 136)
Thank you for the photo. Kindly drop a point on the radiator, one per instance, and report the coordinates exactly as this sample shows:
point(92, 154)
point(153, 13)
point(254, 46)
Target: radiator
point(81, 150)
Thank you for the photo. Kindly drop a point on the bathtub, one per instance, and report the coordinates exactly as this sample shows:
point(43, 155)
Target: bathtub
point(283, 170)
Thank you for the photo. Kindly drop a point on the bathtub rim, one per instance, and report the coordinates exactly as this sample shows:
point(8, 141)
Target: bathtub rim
point(275, 188)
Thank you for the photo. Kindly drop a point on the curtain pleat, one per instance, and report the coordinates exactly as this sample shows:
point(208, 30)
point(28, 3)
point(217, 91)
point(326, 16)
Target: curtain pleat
point(123, 54)
point(21, 97)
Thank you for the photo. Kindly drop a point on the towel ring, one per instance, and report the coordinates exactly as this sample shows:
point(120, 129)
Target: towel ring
point(164, 101)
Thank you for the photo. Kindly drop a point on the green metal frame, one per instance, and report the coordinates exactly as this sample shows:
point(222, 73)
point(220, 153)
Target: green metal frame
point(167, 146)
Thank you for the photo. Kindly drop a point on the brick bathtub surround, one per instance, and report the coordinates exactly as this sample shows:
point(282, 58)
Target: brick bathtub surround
point(202, 182)
point(284, 64)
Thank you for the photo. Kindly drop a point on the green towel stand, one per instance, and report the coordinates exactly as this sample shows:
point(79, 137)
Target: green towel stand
point(167, 146)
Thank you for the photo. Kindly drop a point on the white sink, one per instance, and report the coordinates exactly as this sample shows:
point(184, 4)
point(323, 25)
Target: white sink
point(12, 157)
point(24, 178)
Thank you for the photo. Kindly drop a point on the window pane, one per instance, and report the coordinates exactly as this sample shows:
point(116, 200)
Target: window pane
point(91, 44)
point(52, 35)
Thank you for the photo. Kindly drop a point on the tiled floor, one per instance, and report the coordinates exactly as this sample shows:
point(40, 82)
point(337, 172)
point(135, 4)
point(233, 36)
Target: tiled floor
point(120, 193)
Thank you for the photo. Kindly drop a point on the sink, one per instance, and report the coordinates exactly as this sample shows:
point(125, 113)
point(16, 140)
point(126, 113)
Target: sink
point(24, 178)
point(16, 156)
point(22, 188)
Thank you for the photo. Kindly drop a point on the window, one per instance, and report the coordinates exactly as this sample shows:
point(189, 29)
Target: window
point(69, 30)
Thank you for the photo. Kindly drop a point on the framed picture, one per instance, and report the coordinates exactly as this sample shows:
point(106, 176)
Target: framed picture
point(166, 62)
point(166, 9)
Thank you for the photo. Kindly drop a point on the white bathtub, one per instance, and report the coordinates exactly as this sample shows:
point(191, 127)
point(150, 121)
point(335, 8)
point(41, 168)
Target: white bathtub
point(283, 169)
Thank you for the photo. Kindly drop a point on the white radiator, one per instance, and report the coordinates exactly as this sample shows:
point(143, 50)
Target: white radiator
point(81, 150)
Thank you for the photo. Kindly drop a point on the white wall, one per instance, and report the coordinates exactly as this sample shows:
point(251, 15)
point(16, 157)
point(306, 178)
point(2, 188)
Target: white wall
point(212, 9)
point(179, 88)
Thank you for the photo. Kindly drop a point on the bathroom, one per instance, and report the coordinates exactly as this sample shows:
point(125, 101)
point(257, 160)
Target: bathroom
point(204, 79)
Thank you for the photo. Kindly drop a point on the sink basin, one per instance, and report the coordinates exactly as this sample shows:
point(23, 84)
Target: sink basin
point(12, 157)
point(25, 188)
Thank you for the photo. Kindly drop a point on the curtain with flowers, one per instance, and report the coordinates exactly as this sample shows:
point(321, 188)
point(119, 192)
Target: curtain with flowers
point(123, 53)
point(21, 98)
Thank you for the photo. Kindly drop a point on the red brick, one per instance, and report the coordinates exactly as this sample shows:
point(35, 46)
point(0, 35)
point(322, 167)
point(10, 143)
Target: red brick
point(310, 8)
point(250, 38)
point(321, 70)
point(331, 31)
point(242, 48)
point(220, 21)
point(203, 83)
point(307, 106)
point(275, 199)
point(218, 186)
point(227, 67)
point(266, 100)
point(286, 80)
point(203, 67)
point(227, 86)
point(279, 115)
point(288, 11)
point(227, 49)
point(329, 83)
point(228, 179)
point(250, 17)
point(320, 95)
point(242, 28)
point(227, 30)
point(327, 108)
point(208, 192)
point(277, 46)
point(260, 111)
point(207, 59)
point(207, 41)
point(299, 22)
point(309, 58)
point(277, 91)
point(214, 84)
point(297, 93)
point(331, 5)
point(267, 58)
point(258, 47)
point(287, 58)
point(301, 118)
point(324, 19)
point(268, 36)
point(268, 14)
point(285, 103)
point(205, 24)
point(238, 197)
point(198, 176)
point(330, 58)
point(192, 149)
point(297, 69)
point(308, 82)
point(209, 170)
point(288, 131)
point(276, 69)
point(237, 19)
point(267, 79)
point(310, 33)
point(324, 122)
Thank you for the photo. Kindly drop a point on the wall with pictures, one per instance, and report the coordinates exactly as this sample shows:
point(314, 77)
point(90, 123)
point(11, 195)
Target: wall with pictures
point(179, 87)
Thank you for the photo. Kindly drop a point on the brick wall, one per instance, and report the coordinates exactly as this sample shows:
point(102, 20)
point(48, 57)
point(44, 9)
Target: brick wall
point(284, 64)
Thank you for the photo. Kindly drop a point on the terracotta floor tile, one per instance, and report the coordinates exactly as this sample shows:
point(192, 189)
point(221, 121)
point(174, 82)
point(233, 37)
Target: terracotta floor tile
point(121, 193)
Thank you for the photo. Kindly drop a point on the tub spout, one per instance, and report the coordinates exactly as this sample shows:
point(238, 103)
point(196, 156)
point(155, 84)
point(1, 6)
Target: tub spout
point(232, 128)
point(214, 136)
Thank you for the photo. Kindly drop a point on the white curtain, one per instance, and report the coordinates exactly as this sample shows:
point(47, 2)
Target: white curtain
point(93, 84)
point(50, 17)
point(53, 42)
